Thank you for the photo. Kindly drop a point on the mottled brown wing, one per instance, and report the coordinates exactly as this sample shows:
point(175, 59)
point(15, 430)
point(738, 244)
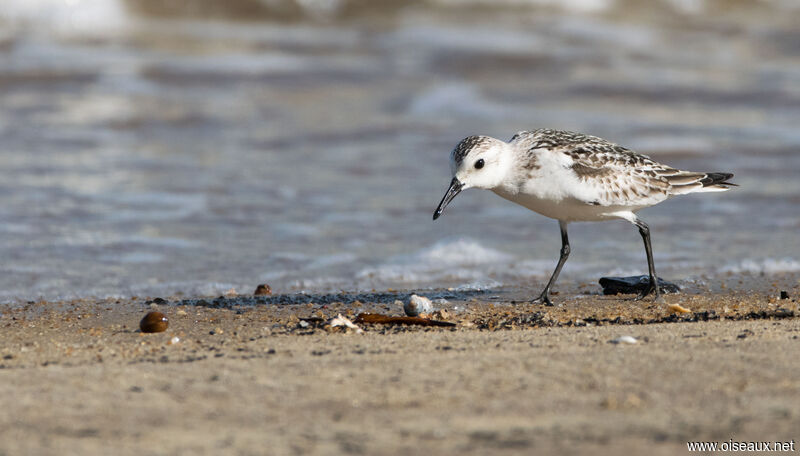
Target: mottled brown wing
point(619, 176)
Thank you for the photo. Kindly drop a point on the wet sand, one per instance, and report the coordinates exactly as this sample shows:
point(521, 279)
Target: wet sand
point(267, 375)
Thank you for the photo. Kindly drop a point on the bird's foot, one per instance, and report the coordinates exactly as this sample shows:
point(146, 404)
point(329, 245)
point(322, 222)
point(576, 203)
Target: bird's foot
point(544, 300)
point(650, 289)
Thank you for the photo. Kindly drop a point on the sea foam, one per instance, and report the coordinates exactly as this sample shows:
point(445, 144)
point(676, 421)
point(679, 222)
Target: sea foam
point(452, 259)
point(766, 266)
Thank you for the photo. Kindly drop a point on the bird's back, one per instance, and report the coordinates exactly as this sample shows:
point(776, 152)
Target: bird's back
point(584, 170)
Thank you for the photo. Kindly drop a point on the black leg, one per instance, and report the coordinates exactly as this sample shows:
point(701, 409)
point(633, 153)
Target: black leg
point(544, 298)
point(644, 230)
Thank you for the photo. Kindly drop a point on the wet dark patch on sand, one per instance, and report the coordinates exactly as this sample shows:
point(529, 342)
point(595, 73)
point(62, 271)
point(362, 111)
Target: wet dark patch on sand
point(330, 298)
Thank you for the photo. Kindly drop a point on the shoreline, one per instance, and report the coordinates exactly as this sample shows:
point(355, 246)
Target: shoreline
point(245, 377)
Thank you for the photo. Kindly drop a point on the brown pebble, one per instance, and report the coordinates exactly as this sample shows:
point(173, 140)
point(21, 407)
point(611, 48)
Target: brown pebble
point(154, 322)
point(263, 290)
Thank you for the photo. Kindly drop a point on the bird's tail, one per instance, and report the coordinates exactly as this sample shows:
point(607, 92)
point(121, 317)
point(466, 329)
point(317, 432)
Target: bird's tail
point(682, 182)
point(717, 182)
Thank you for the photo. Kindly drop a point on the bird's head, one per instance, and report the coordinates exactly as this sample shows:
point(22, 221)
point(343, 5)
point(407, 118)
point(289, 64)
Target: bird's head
point(477, 161)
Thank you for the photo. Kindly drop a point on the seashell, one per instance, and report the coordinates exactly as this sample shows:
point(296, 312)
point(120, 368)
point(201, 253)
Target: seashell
point(417, 305)
point(339, 320)
point(154, 322)
point(624, 340)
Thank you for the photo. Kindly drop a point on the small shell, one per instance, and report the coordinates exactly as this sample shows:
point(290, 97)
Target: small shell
point(624, 340)
point(154, 322)
point(263, 290)
point(344, 321)
point(677, 308)
point(417, 305)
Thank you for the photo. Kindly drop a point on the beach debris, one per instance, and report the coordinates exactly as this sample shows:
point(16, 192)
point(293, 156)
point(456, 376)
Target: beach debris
point(174, 340)
point(624, 340)
point(678, 309)
point(231, 293)
point(154, 322)
point(309, 322)
point(784, 294)
point(634, 285)
point(417, 305)
point(263, 290)
point(181, 313)
point(345, 322)
point(387, 320)
point(614, 402)
point(777, 313)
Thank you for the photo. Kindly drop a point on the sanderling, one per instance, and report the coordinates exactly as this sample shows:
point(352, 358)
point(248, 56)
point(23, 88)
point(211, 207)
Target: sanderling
point(573, 177)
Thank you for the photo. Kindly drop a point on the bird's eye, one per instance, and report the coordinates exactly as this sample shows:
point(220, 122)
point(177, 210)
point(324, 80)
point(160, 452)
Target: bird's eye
point(479, 164)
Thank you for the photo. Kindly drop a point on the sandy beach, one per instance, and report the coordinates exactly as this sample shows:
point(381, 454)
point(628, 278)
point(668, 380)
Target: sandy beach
point(268, 375)
point(167, 153)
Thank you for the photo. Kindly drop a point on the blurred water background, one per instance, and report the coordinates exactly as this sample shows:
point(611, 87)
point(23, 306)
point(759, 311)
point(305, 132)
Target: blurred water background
point(168, 147)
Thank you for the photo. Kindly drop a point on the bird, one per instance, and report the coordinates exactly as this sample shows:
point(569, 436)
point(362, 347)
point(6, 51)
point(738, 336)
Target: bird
point(573, 177)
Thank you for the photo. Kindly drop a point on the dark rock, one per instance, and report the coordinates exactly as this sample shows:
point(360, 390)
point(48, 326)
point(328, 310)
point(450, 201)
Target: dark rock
point(705, 315)
point(764, 314)
point(784, 294)
point(634, 285)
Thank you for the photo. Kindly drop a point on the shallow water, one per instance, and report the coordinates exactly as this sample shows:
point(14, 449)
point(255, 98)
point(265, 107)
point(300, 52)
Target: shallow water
point(152, 152)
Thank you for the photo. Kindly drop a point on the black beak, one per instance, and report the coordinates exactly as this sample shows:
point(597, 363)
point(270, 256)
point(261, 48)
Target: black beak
point(455, 189)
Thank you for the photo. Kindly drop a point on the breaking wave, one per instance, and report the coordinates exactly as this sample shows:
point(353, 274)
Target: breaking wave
point(768, 266)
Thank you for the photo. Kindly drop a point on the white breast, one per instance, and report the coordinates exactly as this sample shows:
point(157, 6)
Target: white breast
point(565, 209)
point(554, 191)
